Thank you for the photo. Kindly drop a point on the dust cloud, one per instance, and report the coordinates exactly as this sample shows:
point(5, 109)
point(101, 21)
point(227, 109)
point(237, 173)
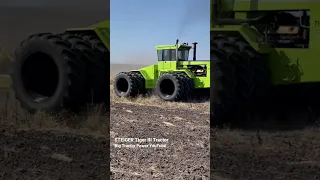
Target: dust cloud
point(194, 11)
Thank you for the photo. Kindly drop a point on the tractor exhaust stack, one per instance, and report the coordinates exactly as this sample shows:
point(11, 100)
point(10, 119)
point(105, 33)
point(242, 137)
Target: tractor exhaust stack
point(194, 51)
point(177, 58)
point(177, 42)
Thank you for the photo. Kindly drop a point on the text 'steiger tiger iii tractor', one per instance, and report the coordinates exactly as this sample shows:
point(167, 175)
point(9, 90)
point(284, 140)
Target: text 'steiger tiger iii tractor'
point(68, 70)
point(262, 51)
point(174, 78)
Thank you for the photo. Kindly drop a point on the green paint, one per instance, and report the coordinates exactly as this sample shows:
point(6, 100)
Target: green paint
point(101, 30)
point(162, 47)
point(153, 72)
point(286, 65)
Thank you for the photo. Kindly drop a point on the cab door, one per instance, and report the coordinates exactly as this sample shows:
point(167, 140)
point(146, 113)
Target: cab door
point(164, 57)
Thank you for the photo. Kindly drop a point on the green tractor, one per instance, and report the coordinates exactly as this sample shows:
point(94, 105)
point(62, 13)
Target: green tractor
point(263, 54)
point(67, 70)
point(174, 78)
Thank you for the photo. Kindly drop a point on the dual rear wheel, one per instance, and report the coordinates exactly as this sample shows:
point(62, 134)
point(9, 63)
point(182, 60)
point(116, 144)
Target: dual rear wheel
point(60, 71)
point(173, 86)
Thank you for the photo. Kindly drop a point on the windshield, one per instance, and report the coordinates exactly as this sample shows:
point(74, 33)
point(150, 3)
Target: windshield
point(170, 54)
point(183, 54)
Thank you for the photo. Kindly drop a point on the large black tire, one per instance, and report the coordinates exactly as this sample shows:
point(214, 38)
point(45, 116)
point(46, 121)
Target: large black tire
point(129, 84)
point(259, 66)
point(96, 43)
point(243, 69)
point(223, 85)
point(251, 76)
point(101, 69)
point(174, 86)
point(189, 85)
point(261, 99)
point(97, 85)
point(48, 74)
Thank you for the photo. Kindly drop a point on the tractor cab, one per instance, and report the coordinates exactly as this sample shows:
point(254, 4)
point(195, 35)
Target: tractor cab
point(171, 57)
point(168, 52)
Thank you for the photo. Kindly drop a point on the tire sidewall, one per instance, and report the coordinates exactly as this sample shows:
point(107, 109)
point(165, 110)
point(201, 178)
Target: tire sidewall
point(158, 89)
point(116, 80)
point(21, 56)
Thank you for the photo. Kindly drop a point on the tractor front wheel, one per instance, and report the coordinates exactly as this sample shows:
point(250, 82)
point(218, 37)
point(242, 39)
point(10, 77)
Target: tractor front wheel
point(174, 87)
point(128, 84)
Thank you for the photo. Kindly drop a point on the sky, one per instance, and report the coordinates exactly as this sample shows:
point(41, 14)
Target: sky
point(138, 26)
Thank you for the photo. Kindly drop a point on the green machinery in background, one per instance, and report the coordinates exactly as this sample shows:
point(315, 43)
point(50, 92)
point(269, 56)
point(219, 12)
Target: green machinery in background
point(174, 78)
point(262, 51)
point(67, 70)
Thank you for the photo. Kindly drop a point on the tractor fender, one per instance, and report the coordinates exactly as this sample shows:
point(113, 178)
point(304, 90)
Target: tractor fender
point(150, 75)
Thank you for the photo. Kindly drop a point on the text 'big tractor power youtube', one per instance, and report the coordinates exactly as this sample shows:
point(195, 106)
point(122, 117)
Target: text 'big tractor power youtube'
point(264, 54)
point(67, 70)
point(174, 78)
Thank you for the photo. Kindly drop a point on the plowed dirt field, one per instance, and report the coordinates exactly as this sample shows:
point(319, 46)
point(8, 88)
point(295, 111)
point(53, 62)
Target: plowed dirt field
point(185, 155)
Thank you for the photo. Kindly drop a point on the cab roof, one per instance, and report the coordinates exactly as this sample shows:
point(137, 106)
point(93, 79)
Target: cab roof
point(162, 47)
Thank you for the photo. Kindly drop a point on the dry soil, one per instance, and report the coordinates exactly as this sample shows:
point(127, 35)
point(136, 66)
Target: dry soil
point(47, 147)
point(51, 155)
point(241, 155)
point(185, 155)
